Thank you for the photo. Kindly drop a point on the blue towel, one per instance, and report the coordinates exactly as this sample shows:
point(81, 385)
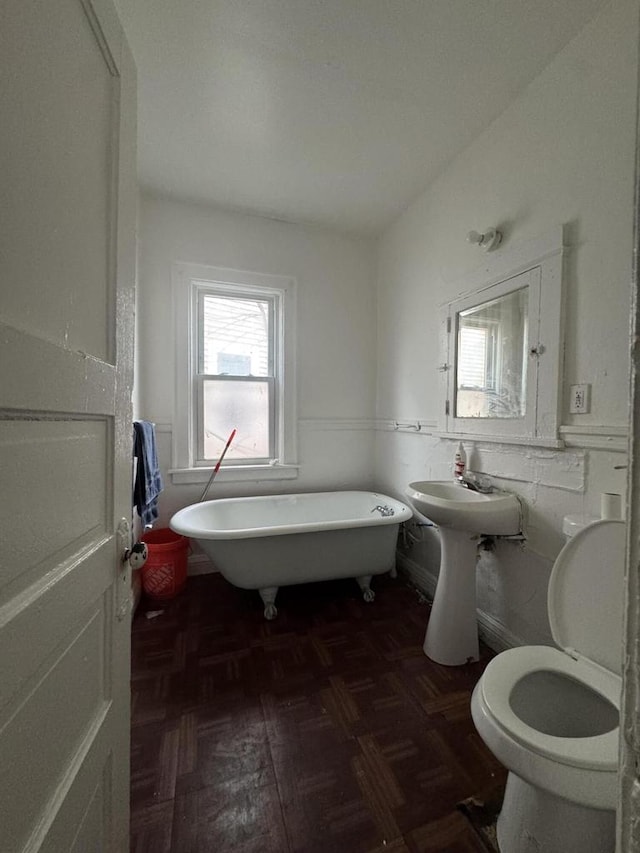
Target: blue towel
point(148, 482)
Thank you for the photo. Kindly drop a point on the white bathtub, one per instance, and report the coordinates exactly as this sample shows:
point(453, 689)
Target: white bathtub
point(267, 542)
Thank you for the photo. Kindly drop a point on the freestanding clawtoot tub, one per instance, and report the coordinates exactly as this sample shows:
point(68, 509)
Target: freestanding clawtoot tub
point(267, 542)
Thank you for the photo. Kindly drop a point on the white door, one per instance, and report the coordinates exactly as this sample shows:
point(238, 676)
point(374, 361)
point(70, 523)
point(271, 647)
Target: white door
point(67, 265)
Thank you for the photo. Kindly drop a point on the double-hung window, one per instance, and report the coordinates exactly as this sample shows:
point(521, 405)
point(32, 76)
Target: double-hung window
point(235, 370)
point(235, 378)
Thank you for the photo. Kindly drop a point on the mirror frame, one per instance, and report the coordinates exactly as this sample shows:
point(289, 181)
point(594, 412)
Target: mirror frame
point(539, 263)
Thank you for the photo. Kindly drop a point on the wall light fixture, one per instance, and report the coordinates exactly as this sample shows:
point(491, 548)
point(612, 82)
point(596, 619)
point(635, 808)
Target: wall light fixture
point(488, 241)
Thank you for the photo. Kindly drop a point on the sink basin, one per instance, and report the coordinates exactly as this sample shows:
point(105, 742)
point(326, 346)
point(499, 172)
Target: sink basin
point(454, 506)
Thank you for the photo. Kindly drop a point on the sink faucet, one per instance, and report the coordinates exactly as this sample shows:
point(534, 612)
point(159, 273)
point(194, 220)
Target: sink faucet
point(476, 482)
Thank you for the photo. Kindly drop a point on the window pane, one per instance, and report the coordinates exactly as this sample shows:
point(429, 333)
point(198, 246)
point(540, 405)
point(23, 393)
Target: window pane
point(472, 367)
point(238, 405)
point(236, 335)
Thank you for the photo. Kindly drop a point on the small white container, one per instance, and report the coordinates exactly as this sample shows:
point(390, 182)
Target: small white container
point(611, 506)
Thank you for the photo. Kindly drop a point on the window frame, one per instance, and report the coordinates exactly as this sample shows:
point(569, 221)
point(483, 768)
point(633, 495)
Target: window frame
point(488, 356)
point(190, 281)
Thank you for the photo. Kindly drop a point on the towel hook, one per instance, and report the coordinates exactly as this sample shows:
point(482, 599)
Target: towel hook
point(417, 426)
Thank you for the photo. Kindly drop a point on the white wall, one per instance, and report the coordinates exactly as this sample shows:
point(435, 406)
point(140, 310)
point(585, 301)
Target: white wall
point(562, 153)
point(335, 335)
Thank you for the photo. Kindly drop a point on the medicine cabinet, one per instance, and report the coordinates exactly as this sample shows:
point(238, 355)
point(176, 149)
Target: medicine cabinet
point(501, 348)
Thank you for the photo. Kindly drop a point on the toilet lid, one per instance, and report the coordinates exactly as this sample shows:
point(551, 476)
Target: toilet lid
point(586, 593)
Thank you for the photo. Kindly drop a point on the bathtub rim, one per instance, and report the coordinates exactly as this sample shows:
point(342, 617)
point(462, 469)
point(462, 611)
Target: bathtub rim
point(181, 523)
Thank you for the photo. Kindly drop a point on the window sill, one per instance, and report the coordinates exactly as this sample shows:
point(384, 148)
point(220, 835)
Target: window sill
point(234, 474)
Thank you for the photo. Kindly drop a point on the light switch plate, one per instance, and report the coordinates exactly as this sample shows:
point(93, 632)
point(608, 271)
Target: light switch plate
point(580, 399)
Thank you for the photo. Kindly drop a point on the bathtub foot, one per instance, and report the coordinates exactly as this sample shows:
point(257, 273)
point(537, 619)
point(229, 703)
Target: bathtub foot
point(364, 583)
point(268, 596)
point(393, 572)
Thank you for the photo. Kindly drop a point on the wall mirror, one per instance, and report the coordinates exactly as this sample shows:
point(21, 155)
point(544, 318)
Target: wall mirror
point(501, 345)
point(491, 358)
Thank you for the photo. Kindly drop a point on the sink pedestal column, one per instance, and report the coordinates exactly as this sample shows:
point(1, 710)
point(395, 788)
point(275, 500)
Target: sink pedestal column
point(452, 632)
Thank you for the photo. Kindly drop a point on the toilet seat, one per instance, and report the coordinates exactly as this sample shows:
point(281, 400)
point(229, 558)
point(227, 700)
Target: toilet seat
point(502, 674)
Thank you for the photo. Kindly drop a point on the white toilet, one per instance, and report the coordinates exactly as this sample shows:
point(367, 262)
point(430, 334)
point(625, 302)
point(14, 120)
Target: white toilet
point(551, 716)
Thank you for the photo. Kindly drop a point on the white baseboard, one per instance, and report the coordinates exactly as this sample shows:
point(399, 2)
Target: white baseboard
point(491, 631)
point(495, 634)
point(425, 581)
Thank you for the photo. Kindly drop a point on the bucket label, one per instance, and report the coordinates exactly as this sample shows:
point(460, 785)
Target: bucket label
point(159, 580)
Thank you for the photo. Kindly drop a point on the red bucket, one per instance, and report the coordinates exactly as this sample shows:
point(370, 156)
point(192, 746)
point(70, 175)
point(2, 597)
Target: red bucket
point(165, 572)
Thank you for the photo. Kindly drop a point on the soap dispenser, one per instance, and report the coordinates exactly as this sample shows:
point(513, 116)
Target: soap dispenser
point(460, 463)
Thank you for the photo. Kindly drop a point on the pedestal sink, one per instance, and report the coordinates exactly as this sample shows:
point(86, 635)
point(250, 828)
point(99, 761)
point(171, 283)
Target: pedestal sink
point(461, 514)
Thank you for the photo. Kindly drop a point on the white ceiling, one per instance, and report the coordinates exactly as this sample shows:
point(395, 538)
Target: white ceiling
point(338, 112)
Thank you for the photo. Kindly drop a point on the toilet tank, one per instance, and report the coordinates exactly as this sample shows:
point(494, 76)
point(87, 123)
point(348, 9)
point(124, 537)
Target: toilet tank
point(572, 524)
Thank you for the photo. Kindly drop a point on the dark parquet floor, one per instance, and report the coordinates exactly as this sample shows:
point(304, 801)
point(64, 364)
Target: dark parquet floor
point(326, 730)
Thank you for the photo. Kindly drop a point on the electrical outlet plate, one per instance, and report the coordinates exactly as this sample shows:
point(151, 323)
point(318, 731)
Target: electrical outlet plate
point(580, 399)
